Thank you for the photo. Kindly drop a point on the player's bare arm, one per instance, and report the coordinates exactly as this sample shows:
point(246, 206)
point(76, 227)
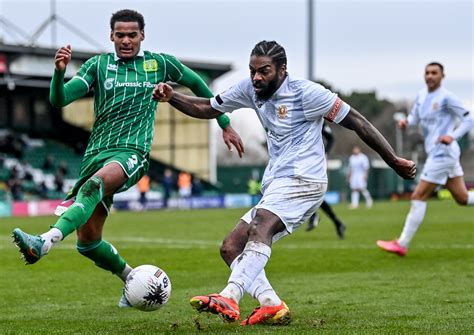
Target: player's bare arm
point(196, 107)
point(374, 139)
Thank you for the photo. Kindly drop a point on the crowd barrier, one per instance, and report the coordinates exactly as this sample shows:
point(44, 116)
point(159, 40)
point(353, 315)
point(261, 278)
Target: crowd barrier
point(47, 207)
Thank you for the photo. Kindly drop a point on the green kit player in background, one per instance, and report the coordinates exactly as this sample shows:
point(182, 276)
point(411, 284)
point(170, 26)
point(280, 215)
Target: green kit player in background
point(117, 154)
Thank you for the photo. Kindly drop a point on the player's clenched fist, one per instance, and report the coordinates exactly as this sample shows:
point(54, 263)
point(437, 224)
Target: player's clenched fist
point(62, 57)
point(163, 92)
point(405, 168)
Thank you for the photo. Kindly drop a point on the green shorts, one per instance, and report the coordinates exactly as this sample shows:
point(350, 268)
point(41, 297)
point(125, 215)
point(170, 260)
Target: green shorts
point(134, 163)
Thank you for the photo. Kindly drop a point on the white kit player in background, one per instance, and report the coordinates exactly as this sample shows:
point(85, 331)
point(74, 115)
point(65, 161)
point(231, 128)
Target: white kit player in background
point(443, 120)
point(291, 112)
point(358, 175)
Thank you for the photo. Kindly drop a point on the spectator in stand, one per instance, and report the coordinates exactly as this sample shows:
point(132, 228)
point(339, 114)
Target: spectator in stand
point(184, 184)
point(197, 186)
point(15, 185)
point(63, 168)
point(59, 181)
point(143, 187)
point(168, 186)
point(42, 190)
point(15, 145)
point(27, 171)
point(49, 163)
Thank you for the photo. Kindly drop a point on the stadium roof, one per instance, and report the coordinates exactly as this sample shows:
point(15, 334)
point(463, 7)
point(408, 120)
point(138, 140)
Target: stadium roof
point(33, 66)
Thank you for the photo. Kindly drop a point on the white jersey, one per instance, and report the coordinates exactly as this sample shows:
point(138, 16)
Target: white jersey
point(438, 113)
point(292, 119)
point(359, 166)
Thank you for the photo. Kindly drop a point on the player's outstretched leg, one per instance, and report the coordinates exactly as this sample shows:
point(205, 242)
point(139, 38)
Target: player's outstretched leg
point(226, 308)
point(31, 246)
point(313, 221)
point(277, 315)
point(340, 227)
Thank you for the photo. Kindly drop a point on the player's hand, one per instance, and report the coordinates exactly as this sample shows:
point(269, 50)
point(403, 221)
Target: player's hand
point(446, 139)
point(403, 123)
point(163, 92)
point(62, 57)
point(405, 168)
point(232, 138)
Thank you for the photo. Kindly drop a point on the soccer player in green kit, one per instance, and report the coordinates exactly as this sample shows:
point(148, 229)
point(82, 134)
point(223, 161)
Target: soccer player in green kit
point(117, 155)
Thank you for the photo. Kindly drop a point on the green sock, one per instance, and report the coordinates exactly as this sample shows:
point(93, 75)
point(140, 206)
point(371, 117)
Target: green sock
point(88, 196)
point(104, 255)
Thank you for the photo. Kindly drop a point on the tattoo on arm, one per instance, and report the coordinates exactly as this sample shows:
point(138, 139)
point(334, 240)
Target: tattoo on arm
point(370, 135)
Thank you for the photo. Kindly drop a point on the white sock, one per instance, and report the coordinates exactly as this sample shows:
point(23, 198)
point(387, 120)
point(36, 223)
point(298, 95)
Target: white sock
point(470, 198)
point(355, 199)
point(412, 222)
point(125, 272)
point(249, 264)
point(261, 289)
point(368, 198)
point(51, 238)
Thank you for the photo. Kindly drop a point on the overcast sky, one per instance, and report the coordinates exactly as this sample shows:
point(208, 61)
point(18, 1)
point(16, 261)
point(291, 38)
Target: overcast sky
point(359, 45)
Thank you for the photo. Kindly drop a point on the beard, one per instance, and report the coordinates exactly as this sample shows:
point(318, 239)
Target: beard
point(267, 92)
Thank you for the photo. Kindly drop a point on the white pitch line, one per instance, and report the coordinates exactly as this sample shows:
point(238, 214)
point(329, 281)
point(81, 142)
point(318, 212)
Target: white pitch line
point(125, 242)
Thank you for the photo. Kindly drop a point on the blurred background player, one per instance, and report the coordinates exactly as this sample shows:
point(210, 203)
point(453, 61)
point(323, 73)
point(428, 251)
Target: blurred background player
point(117, 155)
point(184, 184)
point(143, 187)
point(168, 182)
point(358, 176)
point(437, 111)
point(314, 219)
point(295, 181)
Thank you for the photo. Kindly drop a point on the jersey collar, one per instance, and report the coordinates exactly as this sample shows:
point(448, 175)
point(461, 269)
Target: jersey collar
point(139, 54)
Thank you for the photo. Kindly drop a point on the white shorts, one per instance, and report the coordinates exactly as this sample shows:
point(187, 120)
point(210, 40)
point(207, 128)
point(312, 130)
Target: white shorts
point(438, 170)
point(358, 182)
point(293, 200)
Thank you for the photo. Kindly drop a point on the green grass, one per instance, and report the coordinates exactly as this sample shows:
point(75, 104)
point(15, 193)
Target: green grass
point(331, 286)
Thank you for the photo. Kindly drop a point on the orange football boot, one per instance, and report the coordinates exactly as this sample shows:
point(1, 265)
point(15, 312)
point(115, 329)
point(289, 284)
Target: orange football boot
point(227, 308)
point(277, 315)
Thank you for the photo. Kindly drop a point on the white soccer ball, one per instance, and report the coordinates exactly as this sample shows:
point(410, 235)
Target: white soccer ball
point(147, 288)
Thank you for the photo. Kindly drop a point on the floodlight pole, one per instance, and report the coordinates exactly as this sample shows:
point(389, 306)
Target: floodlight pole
point(53, 24)
point(310, 41)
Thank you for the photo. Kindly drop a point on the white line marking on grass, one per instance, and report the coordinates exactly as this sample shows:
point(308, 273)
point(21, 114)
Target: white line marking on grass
point(144, 242)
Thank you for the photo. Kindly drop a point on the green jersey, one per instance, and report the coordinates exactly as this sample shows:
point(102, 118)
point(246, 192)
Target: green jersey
point(123, 104)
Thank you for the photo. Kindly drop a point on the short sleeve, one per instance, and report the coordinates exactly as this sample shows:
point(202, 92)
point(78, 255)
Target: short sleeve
point(455, 106)
point(319, 101)
point(174, 68)
point(413, 116)
point(88, 71)
point(233, 98)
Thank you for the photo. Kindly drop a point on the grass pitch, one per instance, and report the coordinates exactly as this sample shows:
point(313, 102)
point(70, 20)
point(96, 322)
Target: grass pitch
point(331, 286)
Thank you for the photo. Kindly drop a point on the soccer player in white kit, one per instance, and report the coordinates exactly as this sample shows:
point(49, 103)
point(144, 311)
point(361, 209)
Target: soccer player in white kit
point(358, 175)
point(437, 111)
point(294, 183)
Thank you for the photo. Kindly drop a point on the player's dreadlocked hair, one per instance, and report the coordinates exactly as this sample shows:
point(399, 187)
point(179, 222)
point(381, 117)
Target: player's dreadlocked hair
point(127, 15)
point(271, 49)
